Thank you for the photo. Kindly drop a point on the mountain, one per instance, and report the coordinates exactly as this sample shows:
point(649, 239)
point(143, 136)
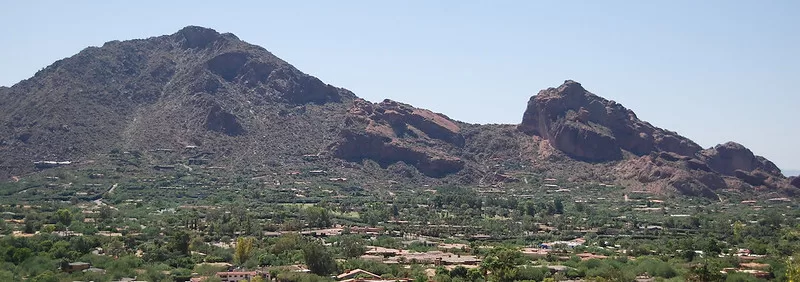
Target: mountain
point(192, 88)
point(244, 108)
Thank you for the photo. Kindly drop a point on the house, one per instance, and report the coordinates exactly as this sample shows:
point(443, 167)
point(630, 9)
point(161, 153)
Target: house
point(535, 253)
point(95, 270)
point(588, 256)
point(366, 230)
point(310, 157)
point(381, 251)
point(358, 273)
point(234, 276)
point(572, 243)
point(75, 266)
point(128, 279)
point(323, 232)
point(445, 247)
point(49, 164)
point(163, 167)
point(757, 273)
point(779, 200)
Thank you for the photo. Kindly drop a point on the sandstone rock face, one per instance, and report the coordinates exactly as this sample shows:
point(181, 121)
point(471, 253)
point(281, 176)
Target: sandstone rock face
point(390, 132)
point(591, 128)
point(796, 182)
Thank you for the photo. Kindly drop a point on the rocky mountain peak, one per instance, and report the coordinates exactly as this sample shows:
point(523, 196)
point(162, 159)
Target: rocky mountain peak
point(199, 37)
point(589, 127)
point(570, 87)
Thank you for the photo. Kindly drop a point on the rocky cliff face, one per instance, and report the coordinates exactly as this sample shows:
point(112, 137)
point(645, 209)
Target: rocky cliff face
point(588, 127)
point(731, 157)
point(390, 132)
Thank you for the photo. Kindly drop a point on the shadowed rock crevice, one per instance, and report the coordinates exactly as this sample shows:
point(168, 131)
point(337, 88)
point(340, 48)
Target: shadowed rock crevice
point(228, 65)
point(221, 121)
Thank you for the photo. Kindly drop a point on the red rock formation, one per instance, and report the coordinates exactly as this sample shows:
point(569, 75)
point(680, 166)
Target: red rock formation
point(390, 132)
point(731, 157)
point(591, 128)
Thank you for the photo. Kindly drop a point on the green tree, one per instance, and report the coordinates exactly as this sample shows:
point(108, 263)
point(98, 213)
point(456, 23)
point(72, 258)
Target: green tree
point(6, 276)
point(21, 254)
point(318, 259)
point(529, 208)
point(793, 268)
point(459, 271)
point(105, 214)
point(474, 274)
point(244, 249)
point(352, 246)
point(558, 204)
point(286, 242)
point(318, 217)
point(502, 263)
point(114, 248)
point(179, 242)
point(47, 276)
point(64, 216)
point(703, 272)
point(375, 213)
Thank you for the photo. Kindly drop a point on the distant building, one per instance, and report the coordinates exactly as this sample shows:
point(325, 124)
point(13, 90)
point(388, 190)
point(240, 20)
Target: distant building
point(234, 276)
point(358, 273)
point(75, 266)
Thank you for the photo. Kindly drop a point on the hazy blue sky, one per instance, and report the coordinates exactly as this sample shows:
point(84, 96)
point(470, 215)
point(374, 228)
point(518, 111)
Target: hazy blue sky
point(713, 71)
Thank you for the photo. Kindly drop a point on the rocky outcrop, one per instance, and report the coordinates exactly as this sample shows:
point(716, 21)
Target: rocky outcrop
point(191, 37)
point(684, 174)
point(272, 78)
point(727, 166)
point(731, 157)
point(223, 122)
point(795, 182)
point(588, 127)
point(390, 132)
